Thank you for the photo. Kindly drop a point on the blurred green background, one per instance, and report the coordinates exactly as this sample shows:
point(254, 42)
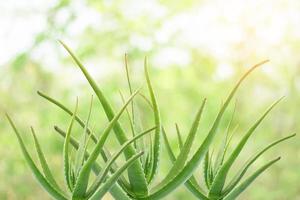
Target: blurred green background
point(195, 49)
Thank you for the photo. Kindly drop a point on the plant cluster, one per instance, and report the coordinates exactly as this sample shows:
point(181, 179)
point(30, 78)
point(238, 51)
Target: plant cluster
point(142, 162)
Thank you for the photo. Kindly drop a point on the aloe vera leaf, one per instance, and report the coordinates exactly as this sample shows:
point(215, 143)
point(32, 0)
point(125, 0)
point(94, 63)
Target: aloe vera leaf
point(66, 150)
point(68, 111)
point(135, 172)
point(220, 178)
point(82, 145)
point(211, 170)
point(116, 191)
point(238, 190)
point(101, 177)
point(196, 190)
point(78, 119)
point(43, 162)
point(228, 143)
point(156, 145)
point(222, 151)
point(242, 172)
point(193, 179)
point(130, 90)
point(205, 170)
point(149, 162)
point(183, 155)
point(129, 118)
point(112, 180)
point(104, 153)
point(83, 177)
point(179, 137)
point(38, 175)
point(191, 166)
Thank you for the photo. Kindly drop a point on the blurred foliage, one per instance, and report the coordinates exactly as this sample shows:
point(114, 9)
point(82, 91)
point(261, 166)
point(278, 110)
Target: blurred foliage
point(183, 73)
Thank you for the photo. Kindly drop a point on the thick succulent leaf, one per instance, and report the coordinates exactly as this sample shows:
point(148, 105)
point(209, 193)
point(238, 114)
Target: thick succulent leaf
point(191, 166)
point(104, 153)
point(156, 145)
point(83, 177)
point(130, 90)
point(195, 189)
point(38, 175)
point(179, 137)
point(135, 172)
point(83, 143)
point(113, 179)
point(220, 178)
point(78, 119)
point(43, 162)
point(68, 111)
point(130, 119)
point(206, 169)
point(242, 172)
point(184, 153)
point(116, 191)
point(238, 190)
point(101, 177)
point(193, 179)
point(210, 169)
point(66, 151)
point(222, 151)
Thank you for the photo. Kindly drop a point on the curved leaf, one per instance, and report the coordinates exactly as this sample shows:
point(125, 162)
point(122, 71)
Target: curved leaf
point(183, 155)
point(67, 168)
point(83, 177)
point(101, 177)
point(240, 175)
point(195, 189)
point(156, 145)
point(38, 175)
point(44, 164)
point(135, 172)
point(112, 180)
point(237, 191)
point(191, 166)
point(219, 181)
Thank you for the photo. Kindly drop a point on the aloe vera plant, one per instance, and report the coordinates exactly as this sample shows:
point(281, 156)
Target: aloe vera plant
point(142, 162)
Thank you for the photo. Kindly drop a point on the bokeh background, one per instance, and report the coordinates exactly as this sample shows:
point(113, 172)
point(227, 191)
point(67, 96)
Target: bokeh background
point(195, 49)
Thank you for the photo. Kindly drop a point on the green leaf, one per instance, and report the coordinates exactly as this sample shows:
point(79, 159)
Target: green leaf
point(242, 172)
point(195, 189)
point(237, 191)
point(130, 90)
point(43, 162)
point(83, 143)
point(205, 170)
point(183, 155)
point(135, 172)
point(193, 179)
point(83, 177)
point(66, 150)
point(78, 119)
point(116, 191)
point(210, 169)
point(191, 166)
point(156, 145)
point(179, 137)
point(219, 181)
point(38, 175)
point(68, 111)
point(101, 177)
point(112, 180)
point(131, 123)
point(222, 151)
